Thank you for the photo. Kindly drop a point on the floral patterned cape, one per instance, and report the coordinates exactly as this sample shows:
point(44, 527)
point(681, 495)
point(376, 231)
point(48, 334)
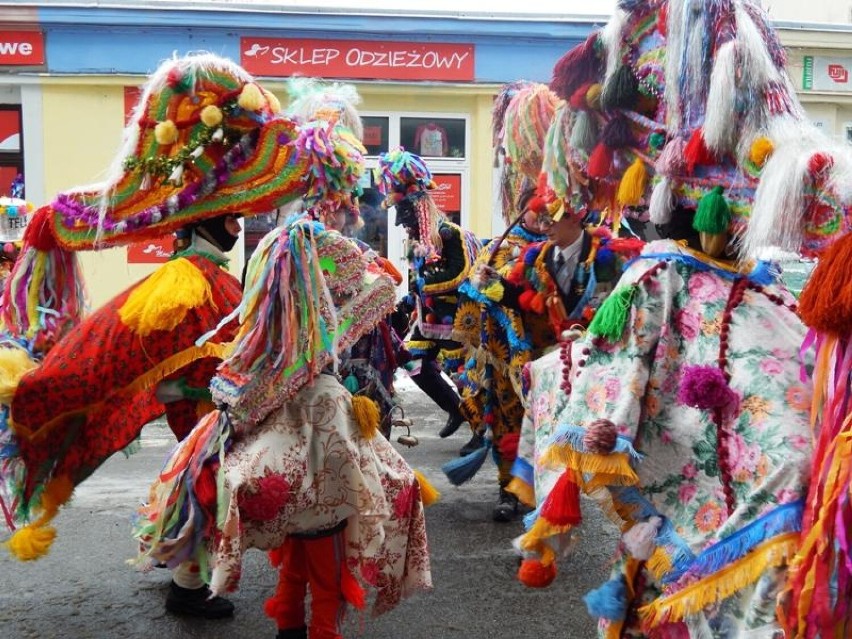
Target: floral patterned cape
point(725, 484)
point(306, 467)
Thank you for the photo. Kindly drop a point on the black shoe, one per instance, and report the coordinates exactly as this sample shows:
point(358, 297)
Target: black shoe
point(452, 425)
point(476, 442)
point(197, 603)
point(506, 508)
point(293, 633)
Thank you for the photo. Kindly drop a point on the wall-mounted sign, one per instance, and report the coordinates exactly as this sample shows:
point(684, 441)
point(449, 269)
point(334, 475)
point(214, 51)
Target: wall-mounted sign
point(827, 74)
point(357, 59)
point(447, 192)
point(21, 48)
point(150, 251)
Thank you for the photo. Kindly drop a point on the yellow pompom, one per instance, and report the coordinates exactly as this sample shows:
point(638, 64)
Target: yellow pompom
point(161, 302)
point(14, 364)
point(760, 151)
point(31, 542)
point(211, 115)
point(366, 414)
point(593, 96)
point(632, 186)
point(428, 493)
point(251, 98)
point(274, 104)
point(166, 133)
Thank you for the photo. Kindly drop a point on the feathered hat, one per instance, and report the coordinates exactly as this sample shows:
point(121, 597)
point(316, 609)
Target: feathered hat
point(310, 293)
point(686, 104)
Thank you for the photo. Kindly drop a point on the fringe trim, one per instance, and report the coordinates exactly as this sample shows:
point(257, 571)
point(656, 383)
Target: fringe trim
point(605, 470)
point(144, 381)
point(722, 585)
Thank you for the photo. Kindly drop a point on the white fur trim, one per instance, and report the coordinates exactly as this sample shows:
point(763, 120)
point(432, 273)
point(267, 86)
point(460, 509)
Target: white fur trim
point(720, 123)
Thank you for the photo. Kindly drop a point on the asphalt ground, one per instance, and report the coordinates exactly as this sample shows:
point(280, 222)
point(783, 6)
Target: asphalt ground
point(85, 587)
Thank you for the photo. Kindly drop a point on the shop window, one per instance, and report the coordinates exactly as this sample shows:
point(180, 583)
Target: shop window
point(376, 132)
point(11, 151)
point(433, 137)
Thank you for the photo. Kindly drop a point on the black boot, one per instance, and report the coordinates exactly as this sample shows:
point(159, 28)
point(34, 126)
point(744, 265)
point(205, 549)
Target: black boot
point(454, 421)
point(293, 633)
point(476, 442)
point(506, 508)
point(197, 603)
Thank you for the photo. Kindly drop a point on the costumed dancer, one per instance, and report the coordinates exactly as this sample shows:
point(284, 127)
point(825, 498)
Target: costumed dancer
point(440, 256)
point(370, 365)
point(293, 462)
point(683, 412)
point(501, 338)
point(205, 144)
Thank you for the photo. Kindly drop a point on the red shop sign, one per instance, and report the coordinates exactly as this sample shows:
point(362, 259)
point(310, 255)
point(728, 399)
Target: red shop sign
point(357, 59)
point(21, 48)
point(156, 251)
point(447, 192)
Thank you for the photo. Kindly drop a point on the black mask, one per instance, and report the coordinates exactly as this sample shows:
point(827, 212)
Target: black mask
point(214, 231)
point(680, 228)
point(406, 216)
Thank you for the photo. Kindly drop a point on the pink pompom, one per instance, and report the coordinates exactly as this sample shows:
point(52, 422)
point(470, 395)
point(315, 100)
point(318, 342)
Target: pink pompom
point(704, 387)
point(600, 437)
point(8, 248)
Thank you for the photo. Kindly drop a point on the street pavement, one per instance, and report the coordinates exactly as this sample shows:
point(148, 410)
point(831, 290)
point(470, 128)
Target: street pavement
point(86, 588)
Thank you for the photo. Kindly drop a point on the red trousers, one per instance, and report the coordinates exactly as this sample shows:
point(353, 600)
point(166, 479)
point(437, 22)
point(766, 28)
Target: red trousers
point(315, 563)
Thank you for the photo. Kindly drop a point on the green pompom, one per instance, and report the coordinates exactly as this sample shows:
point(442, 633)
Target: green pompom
point(351, 384)
point(656, 140)
point(611, 318)
point(713, 215)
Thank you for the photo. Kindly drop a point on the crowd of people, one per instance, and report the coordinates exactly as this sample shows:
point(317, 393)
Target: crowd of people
point(622, 344)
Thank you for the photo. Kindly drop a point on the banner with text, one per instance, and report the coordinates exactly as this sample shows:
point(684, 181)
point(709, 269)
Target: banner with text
point(358, 59)
point(21, 48)
point(827, 74)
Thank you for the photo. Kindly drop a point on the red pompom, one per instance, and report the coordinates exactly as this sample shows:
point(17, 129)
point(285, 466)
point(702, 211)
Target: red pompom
point(578, 98)
point(581, 64)
point(600, 161)
point(534, 574)
point(562, 506)
point(696, 152)
point(819, 164)
point(537, 303)
point(600, 437)
point(508, 446)
point(525, 299)
point(39, 232)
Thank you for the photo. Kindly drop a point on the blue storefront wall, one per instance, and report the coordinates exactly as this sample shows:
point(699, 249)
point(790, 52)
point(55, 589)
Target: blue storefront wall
point(125, 41)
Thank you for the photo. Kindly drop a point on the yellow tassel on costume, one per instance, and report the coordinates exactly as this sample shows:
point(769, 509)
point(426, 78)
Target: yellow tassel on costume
point(723, 584)
point(760, 151)
point(613, 469)
point(366, 413)
point(428, 493)
point(523, 491)
point(660, 563)
point(632, 186)
point(161, 302)
point(14, 364)
point(31, 542)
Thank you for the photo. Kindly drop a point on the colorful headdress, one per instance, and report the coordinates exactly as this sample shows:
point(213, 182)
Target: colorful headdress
point(310, 293)
point(312, 99)
point(204, 140)
point(687, 104)
point(525, 111)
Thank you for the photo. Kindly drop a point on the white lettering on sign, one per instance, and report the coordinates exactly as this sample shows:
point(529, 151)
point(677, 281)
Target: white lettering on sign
point(16, 48)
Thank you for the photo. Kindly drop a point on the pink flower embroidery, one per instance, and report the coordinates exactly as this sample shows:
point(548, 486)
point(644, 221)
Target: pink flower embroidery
point(686, 492)
point(706, 288)
point(690, 471)
point(688, 322)
point(403, 502)
point(596, 399)
point(744, 457)
point(771, 367)
point(613, 389)
point(786, 495)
